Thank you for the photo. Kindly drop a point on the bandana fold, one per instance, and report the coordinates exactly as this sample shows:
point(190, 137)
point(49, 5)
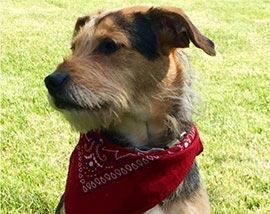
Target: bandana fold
point(105, 178)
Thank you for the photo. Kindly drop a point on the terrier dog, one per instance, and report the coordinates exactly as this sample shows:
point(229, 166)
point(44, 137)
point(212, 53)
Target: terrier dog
point(128, 81)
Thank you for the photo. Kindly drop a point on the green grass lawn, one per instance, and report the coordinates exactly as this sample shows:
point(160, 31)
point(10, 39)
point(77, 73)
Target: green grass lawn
point(233, 116)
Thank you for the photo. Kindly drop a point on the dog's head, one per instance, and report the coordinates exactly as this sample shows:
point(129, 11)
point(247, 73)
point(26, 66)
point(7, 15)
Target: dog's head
point(122, 63)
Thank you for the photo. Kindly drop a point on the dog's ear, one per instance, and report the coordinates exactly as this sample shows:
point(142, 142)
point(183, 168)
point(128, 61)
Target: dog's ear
point(81, 21)
point(174, 29)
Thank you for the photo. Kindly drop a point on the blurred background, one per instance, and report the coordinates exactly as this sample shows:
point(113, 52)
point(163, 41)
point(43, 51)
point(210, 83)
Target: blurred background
point(233, 114)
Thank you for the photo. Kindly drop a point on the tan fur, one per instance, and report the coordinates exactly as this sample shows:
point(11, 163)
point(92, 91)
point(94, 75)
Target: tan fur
point(129, 93)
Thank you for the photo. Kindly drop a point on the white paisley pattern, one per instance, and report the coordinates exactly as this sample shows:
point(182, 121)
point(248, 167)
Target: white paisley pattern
point(98, 164)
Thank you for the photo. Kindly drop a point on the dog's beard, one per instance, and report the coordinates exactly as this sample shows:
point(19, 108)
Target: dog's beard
point(84, 120)
point(86, 110)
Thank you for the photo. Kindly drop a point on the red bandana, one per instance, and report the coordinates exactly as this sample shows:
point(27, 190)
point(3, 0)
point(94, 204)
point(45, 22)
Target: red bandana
point(105, 178)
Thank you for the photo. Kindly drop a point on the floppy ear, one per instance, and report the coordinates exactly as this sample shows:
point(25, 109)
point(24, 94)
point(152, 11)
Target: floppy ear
point(174, 29)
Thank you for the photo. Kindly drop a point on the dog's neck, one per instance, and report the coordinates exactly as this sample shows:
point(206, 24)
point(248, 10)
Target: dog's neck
point(145, 134)
point(139, 133)
point(159, 130)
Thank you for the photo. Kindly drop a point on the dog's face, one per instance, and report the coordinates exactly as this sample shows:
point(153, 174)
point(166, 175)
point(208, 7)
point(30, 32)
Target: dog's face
point(121, 64)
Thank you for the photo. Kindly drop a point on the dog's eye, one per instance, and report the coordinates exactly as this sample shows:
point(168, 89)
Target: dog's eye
point(108, 46)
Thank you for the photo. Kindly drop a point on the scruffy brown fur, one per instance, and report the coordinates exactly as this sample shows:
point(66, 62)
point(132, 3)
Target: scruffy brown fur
point(128, 76)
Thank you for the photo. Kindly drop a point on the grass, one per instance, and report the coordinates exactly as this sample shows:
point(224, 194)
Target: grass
point(234, 115)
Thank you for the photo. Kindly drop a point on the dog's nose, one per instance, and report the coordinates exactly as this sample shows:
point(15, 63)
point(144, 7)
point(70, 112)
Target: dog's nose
point(56, 81)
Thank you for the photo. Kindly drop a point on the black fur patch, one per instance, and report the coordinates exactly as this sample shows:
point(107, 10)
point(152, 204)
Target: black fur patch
point(191, 183)
point(189, 187)
point(140, 33)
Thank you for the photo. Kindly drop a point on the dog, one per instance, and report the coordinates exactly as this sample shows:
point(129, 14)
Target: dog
point(129, 79)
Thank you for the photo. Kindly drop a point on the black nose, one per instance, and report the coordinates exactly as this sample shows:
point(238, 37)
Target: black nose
point(56, 81)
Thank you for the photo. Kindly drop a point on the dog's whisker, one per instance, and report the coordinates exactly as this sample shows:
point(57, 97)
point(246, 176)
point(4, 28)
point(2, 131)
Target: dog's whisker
point(127, 78)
